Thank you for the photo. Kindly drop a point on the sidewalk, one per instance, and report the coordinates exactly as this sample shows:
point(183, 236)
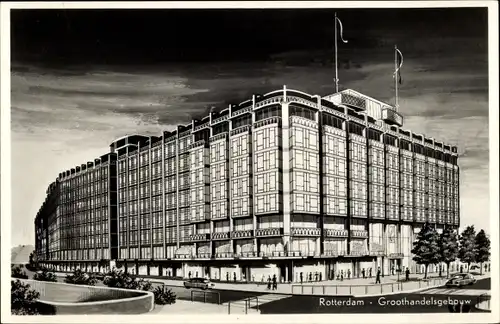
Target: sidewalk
point(286, 288)
point(357, 286)
point(188, 307)
point(194, 308)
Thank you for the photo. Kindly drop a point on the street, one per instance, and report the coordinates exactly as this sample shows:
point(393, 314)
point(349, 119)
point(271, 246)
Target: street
point(432, 300)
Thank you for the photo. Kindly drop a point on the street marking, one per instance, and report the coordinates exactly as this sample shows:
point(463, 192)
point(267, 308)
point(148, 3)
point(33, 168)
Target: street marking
point(453, 291)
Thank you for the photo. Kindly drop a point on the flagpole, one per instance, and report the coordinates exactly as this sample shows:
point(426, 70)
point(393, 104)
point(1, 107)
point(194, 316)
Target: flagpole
point(336, 64)
point(396, 75)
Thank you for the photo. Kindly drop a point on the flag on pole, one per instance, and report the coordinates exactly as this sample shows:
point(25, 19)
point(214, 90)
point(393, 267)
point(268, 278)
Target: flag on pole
point(341, 30)
point(399, 56)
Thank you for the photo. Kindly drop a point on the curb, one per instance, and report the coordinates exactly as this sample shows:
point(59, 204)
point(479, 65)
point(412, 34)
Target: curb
point(400, 292)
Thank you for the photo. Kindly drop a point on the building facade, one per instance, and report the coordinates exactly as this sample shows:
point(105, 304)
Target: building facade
point(287, 184)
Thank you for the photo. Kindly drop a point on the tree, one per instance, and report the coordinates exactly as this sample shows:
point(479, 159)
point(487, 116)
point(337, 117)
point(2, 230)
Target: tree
point(425, 247)
point(33, 262)
point(23, 299)
point(17, 272)
point(79, 277)
point(467, 250)
point(482, 251)
point(448, 248)
point(45, 275)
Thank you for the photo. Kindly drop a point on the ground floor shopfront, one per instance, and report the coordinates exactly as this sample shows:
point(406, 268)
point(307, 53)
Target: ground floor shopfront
point(262, 269)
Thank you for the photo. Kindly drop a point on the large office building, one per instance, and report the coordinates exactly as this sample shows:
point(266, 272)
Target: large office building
point(286, 184)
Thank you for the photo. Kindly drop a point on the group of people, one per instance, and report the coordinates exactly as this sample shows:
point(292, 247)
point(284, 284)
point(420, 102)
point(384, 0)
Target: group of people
point(310, 276)
point(272, 283)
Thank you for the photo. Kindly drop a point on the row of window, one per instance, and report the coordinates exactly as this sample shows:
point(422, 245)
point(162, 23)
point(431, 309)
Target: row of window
point(267, 160)
point(86, 178)
point(335, 166)
point(305, 182)
point(218, 151)
point(304, 138)
point(305, 160)
point(266, 137)
point(357, 152)
point(217, 172)
point(77, 193)
point(334, 145)
point(308, 203)
point(240, 145)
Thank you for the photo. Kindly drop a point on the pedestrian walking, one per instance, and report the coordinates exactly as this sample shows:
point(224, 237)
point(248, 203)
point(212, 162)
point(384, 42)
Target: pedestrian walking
point(392, 270)
point(275, 282)
point(363, 273)
point(189, 274)
point(377, 279)
point(461, 268)
point(341, 275)
point(370, 273)
point(310, 277)
point(320, 276)
point(301, 277)
point(227, 276)
point(348, 273)
point(316, 276)
point(269, 283)
point(407, 274)
point(234, 276)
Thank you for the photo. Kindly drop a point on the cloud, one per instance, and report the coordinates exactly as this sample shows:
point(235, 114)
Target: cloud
point(64, 117)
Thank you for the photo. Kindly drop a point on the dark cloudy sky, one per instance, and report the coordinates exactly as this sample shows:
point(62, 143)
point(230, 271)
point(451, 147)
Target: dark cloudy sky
point(81, 78)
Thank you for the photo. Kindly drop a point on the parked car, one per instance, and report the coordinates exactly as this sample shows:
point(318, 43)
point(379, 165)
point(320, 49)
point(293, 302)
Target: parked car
point(200, 283)
point(460, 280)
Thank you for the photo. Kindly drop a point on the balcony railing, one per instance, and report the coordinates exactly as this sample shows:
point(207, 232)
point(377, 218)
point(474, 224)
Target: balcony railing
point(199, 237)
point(358, 253)
point(202, 256)
point(225, 255)
point(334, 253)
point(183, 256)
point(249, 254)
point(221, 236)
point(241, 234)
point(304, 231)
point(392, 117)
point(263, 232)
point(360, 234)
point(335, 233)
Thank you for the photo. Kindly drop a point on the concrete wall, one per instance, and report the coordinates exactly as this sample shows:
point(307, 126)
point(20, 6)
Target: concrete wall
point(64, 298)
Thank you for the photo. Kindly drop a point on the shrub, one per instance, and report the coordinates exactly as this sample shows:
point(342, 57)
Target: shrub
point(45, 275)
point(79, 277)
point(23, 299)
point(120, 279)
point(144, 285)
point(17, 272)
point(164, 296)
